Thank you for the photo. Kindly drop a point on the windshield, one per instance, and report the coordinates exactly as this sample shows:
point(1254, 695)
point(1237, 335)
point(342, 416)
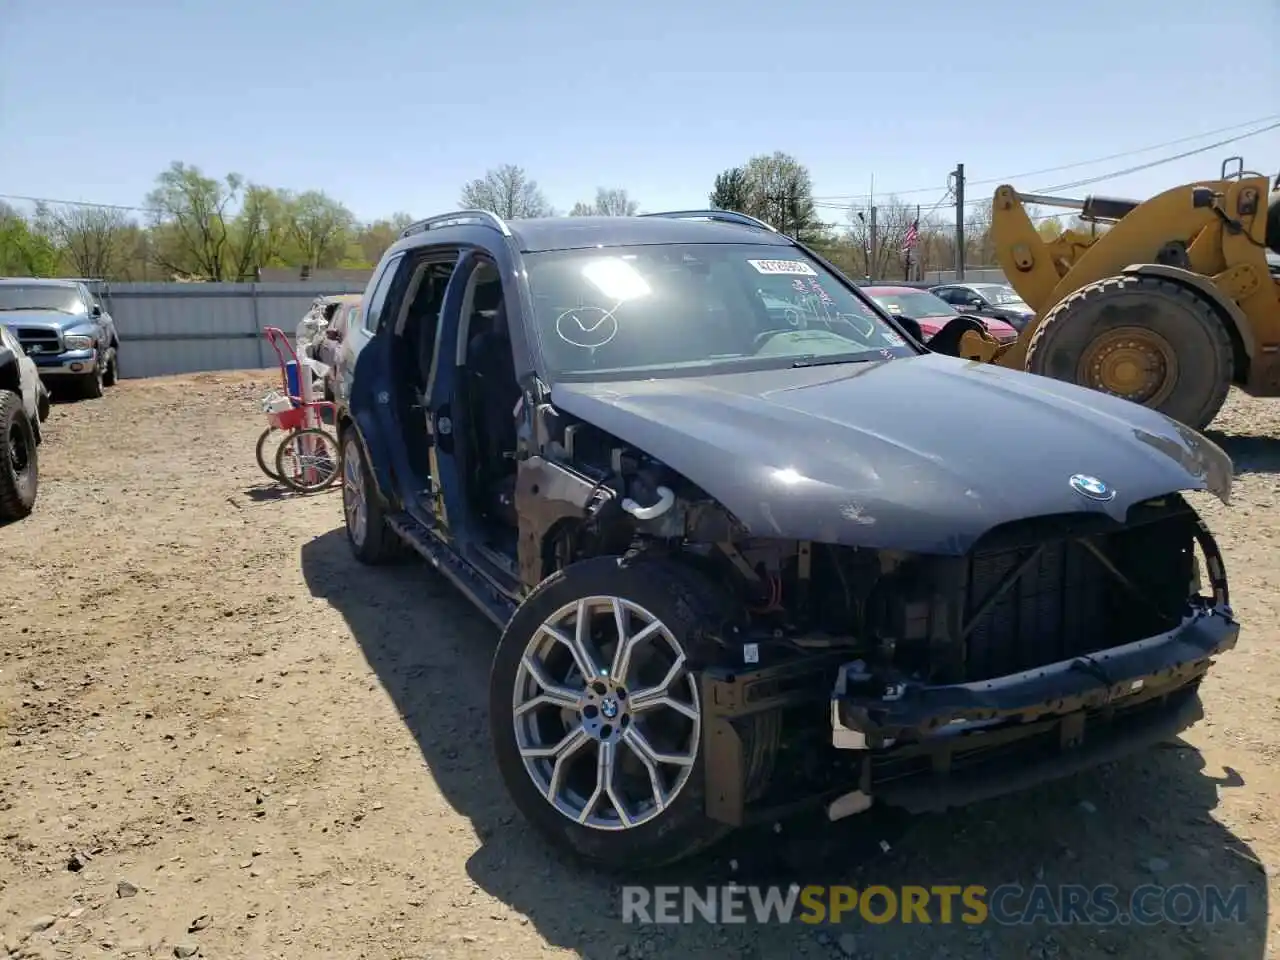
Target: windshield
point(998, 293)
point(682, 309)
point(39, 296)
point(916, 304)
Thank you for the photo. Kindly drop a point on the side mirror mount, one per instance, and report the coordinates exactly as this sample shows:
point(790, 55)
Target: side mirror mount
point(911, 326)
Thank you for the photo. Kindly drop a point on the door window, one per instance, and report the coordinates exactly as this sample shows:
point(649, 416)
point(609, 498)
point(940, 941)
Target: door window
point(373, 315)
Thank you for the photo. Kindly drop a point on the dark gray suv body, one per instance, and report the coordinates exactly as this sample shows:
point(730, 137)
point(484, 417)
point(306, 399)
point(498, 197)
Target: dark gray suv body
point(743, 546)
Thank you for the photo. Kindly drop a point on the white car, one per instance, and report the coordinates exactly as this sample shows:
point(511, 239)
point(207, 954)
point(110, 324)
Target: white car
point(24, 404)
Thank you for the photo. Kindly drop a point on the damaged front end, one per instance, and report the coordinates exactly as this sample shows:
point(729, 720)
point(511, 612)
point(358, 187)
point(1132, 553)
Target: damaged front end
point(1055, 644)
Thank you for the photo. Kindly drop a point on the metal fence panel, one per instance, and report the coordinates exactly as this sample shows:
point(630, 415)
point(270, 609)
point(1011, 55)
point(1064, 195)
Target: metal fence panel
point(168, 328)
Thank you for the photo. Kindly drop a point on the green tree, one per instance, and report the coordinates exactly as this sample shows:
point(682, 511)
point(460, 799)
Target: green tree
point(730, 191)
point(781, 189)
point(775, 188)
point(321, 228)
point(507, 191)
point(260, 231)
point(92, 241)
point(23, 251)
point(372, 239)
point(609, 202)
point(190, 222)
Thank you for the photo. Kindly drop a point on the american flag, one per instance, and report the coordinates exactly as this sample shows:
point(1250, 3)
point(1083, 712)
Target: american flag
point(912, 238)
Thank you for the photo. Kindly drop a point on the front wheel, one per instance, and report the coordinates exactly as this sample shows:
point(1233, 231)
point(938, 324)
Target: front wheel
point(112, 372)
point(19, 475)
point(91, 384)
point(596, 714)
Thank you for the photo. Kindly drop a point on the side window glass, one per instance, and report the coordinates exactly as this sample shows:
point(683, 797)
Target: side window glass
point(373, 315)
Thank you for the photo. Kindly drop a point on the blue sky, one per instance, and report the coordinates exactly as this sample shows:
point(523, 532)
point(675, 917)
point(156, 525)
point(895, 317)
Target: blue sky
point(388, 106)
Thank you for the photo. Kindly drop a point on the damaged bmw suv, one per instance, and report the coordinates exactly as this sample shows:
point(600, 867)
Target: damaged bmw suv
point(745, 545)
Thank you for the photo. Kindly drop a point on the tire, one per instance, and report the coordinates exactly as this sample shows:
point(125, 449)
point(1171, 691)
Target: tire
point(373, 542)
point(112, 373)
point(290, 447)
point(686, 604)
point(1183, 324)
point(260, 452)
point(44, 404)
point(19, 464)
point(91, 384)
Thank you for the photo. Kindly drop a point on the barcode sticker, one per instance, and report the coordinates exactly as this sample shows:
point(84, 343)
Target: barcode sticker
point(787, 267)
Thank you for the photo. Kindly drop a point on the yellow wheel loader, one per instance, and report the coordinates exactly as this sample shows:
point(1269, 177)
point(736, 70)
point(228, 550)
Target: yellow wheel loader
point(1168, 307)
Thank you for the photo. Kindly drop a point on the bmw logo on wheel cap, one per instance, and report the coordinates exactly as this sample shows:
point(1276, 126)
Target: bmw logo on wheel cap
point(1091, 487)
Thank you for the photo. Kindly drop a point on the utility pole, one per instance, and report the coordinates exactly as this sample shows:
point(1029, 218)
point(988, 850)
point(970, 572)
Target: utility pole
point(959, 191)
point(866, 248)
point(872, 257)
point(919, 260)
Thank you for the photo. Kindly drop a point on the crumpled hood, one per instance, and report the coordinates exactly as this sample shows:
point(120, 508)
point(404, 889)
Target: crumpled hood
point(924, 454)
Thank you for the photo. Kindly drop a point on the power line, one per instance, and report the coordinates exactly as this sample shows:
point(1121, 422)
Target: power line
point(1155, 163)
point(827, 203)
point(1115, 174)
point(76, 203)
point(1080, 163)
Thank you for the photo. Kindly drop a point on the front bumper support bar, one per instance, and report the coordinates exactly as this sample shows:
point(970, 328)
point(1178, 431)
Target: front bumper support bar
point(882, 714)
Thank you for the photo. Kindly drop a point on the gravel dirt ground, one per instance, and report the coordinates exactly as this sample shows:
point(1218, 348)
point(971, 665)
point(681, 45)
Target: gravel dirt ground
point(220, 736)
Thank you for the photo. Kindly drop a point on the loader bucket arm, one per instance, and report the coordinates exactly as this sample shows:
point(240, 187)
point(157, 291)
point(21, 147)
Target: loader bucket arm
point(1044, 272)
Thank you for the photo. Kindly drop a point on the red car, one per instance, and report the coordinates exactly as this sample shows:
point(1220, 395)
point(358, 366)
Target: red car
point(931, 311)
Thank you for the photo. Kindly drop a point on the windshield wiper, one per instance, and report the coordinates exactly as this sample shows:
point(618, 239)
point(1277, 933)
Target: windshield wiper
point(816, 361)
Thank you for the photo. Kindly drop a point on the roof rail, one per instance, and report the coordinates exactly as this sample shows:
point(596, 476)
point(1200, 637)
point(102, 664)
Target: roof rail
point(487, 217)
point(726, 216)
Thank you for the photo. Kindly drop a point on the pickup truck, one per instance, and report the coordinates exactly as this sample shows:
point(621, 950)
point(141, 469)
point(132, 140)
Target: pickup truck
point(64, 330)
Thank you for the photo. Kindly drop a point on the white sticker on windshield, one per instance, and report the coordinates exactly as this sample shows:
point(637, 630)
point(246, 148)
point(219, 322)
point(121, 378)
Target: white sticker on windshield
point(795, 268)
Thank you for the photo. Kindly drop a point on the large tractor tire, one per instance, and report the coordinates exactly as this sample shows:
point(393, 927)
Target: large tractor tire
point(1142, 338)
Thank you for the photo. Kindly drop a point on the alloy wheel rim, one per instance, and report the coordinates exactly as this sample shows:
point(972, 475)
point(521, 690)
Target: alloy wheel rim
point(353, 496)
point(607, 714)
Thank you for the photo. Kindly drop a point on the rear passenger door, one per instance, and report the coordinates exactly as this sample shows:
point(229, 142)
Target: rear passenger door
point(364, 381)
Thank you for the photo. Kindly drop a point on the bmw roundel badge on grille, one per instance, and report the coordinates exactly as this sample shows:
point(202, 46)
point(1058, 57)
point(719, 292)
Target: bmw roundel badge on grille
point(1091, 487)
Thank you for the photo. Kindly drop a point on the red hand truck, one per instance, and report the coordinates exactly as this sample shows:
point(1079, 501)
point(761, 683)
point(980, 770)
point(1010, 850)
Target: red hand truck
point(307, 457)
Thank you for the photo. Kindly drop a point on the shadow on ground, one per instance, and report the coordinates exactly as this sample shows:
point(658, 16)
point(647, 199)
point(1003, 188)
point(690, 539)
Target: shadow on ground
point(1250, 454)
point(1145, 821)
